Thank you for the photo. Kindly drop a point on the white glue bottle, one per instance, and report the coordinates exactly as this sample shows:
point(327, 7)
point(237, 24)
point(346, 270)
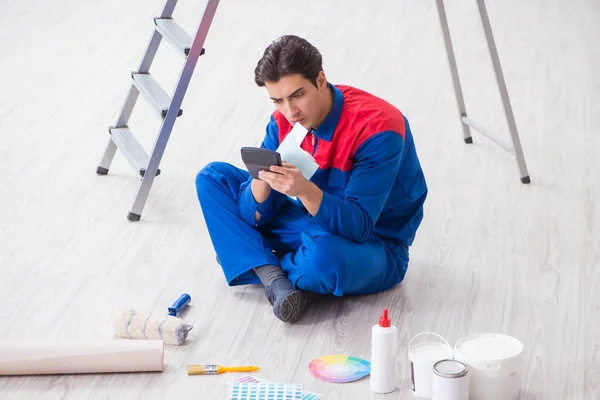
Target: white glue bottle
point(384, 343)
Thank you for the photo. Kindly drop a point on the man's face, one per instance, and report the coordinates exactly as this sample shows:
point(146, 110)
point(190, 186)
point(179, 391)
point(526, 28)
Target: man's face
point(299, 100)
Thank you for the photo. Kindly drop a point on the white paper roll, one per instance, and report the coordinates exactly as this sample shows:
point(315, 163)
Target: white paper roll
point(51, 357)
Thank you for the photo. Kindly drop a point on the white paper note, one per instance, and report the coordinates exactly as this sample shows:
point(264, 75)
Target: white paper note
point(292, 153)
point(299, 132)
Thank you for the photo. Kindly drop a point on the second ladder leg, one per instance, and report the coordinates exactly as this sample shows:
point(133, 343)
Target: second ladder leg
point(510, 118)
point(460, 101)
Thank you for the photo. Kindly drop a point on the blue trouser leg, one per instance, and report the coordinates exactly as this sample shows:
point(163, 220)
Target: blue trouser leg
point(317, 261)
point(239, 246)
point(313, 259)
point(331, 264)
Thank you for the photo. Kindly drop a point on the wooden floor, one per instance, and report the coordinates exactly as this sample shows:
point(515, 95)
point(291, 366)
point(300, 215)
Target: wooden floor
point(492, 254)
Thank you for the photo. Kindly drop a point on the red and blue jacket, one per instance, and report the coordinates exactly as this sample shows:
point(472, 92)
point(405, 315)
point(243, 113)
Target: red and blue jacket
point(369, 172)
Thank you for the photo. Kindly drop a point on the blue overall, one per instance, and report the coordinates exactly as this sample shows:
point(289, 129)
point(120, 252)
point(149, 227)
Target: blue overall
point(373, 195)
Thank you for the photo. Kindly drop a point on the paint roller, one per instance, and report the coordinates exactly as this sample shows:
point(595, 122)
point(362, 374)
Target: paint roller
point(132, 324)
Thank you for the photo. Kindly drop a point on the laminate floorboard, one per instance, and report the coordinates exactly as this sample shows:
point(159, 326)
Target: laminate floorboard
point(492, 254)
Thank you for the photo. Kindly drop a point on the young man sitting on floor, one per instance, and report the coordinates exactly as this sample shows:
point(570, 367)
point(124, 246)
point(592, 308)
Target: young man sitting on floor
point(347, 230)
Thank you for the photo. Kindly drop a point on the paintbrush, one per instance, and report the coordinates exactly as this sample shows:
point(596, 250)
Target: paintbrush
point(211, 369)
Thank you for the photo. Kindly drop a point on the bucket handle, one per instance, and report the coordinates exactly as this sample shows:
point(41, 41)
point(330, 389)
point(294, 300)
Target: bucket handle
point(492, 367)
point(428, 333)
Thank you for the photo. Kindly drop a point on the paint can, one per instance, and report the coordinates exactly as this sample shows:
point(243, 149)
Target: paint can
point(495, 364)
point(422, 357)
point(450, 381)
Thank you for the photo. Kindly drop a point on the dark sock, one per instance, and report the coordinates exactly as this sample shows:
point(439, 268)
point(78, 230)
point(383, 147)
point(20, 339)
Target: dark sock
point(269, 274)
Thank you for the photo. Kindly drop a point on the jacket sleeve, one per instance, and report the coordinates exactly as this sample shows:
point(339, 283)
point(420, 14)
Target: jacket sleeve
point(376, 165)
point(246, 202)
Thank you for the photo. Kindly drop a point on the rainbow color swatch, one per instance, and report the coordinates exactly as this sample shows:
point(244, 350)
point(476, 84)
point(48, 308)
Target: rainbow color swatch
point(339, 368)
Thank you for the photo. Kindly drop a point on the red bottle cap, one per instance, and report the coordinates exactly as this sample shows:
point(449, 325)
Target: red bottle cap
point(384, 320)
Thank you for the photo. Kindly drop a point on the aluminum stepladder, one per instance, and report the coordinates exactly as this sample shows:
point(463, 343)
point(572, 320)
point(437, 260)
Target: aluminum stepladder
point(167, 108)
point(516, 150)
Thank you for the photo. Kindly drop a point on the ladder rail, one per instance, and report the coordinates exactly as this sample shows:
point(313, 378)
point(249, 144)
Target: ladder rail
point(176, 101)
point(460, 100)
point(122, 119)
point(516, 149)
point(508, 111)
point(144, 67)
point(168, 109)
point(133, 93)
point(155, 39)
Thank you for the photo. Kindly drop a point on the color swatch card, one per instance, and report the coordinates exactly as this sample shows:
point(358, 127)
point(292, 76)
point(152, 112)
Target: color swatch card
point(244, 379)
point(305, 394)
point(265, 391)
point(311, 396)
point(250, 379)
point(339, 368)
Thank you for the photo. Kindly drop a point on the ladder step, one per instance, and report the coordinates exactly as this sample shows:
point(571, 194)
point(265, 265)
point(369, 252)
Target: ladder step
point(154, 94)
point(170, 30)
point(131, 149)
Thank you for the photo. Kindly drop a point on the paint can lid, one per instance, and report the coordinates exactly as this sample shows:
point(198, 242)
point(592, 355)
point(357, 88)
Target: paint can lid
point(430, 351)
point(450, 369)
point(488, 347)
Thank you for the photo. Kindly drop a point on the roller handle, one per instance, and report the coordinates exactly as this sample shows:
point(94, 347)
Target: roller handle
point(179, 304)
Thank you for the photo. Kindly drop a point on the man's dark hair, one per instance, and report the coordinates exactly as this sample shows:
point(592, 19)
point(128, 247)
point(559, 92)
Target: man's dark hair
point(286, 56)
